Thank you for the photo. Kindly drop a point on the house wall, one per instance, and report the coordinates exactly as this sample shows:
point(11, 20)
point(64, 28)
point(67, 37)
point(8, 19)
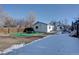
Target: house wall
point(50, 28)
point(41, 27)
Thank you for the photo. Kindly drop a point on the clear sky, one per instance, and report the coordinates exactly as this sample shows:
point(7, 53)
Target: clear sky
point(44, 12)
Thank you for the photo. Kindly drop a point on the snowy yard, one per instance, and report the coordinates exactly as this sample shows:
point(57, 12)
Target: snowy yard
point(52, 45)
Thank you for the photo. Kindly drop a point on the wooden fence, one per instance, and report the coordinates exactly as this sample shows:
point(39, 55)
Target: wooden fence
point(11, 30)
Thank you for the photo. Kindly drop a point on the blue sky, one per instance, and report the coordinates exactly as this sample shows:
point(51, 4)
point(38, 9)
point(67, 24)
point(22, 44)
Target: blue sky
point(43, 12)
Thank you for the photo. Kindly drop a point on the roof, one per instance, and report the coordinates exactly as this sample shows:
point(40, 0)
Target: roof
point(41, 23)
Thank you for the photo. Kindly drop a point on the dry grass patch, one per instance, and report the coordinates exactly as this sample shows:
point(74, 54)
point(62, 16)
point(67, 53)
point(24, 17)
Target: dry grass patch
point(6, 41)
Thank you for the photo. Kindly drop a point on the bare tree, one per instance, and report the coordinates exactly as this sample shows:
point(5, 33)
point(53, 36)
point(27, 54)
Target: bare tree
point(6, 19)
point(9, 22)
point(30, 20)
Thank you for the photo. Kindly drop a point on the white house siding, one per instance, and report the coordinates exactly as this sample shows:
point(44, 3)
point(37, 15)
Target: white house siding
point(41, 27)
point(50, 28)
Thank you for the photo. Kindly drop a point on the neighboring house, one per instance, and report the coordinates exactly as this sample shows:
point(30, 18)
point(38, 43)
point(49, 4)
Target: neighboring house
point(43, 27)
point(75, 27)
point(57, 25)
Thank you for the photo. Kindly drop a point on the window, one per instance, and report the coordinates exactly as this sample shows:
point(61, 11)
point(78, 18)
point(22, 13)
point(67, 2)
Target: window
point(36, 27)
point(49, 27)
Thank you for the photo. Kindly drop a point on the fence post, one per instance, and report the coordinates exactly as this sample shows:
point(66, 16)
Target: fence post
point(8, 29)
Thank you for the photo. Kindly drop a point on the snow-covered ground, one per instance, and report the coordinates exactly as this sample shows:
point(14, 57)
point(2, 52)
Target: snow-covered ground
point(52, 45)
point(17, 46)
